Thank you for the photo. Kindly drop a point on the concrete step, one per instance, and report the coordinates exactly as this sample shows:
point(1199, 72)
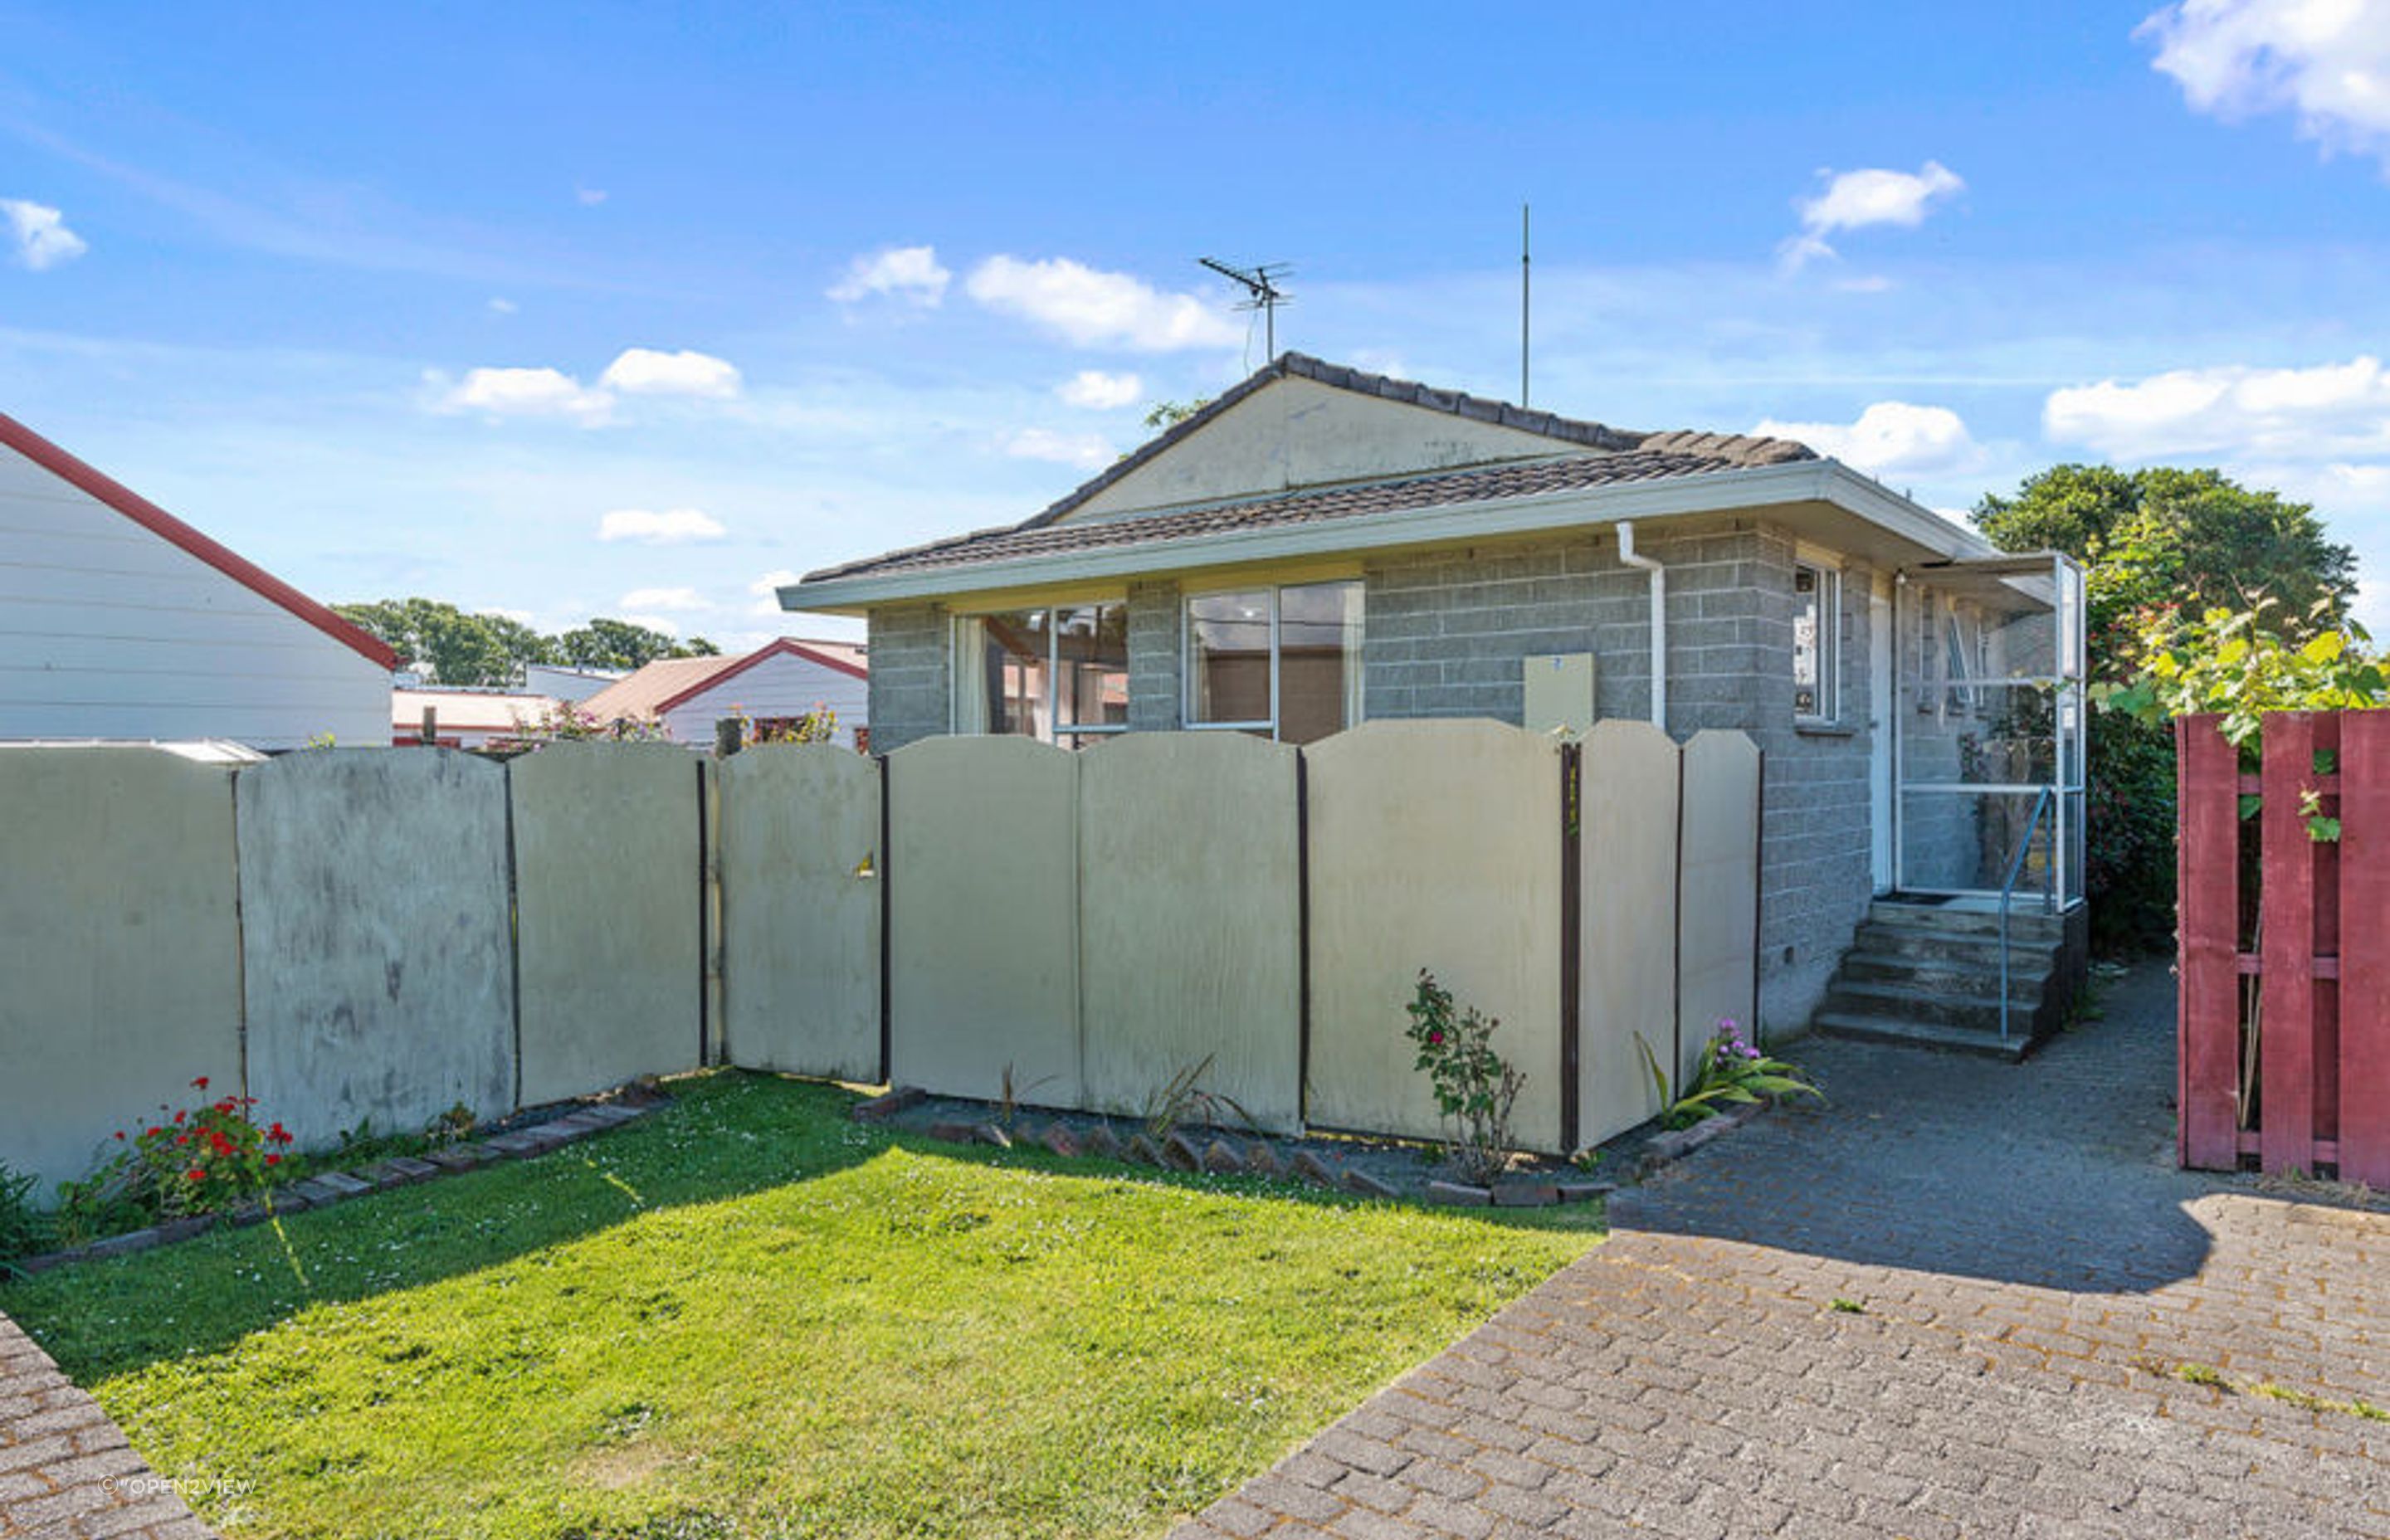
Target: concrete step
point(2028, 974)
point(1979, 1012)
point(1923, 1035)
point(2026, 919)
point(1885, 938)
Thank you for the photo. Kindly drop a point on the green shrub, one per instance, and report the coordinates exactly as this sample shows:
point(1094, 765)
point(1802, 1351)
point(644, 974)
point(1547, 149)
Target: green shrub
point(24, 1229)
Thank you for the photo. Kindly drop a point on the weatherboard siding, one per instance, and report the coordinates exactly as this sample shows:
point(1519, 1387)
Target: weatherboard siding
point(779, 687)
point(109, 630)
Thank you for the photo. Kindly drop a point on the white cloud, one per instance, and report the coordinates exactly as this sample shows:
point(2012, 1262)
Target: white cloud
point(646, 371)
point(524, 394)
point(1085, 450)
point(40, 234)
point(2326, 60)
point(674, 601)
point(1099, 391)
point(1856, 200)
point(500, 304)
point(909, 272)
point(766, 590)
point(665, 624)
point(1890, 436)
point(2326, 413)
point(670, 527)
point(1095, 309)
point(589, 198)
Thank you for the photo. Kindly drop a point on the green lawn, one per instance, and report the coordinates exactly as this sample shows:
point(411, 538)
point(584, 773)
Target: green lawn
point(746, 1316)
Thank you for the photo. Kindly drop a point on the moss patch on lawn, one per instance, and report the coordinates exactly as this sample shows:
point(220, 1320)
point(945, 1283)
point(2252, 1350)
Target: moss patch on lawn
point(747, 1315)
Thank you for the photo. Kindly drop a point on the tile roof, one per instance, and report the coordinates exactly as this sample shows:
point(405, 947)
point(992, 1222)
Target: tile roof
point(636, 696)
point(1604, 455)
point(1438, 489)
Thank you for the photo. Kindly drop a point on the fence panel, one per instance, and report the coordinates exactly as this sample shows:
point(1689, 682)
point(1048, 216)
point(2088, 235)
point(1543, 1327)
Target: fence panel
point(2208, 923)
point(2365, 947)
point(119, 943)
point(1433, 844)
point(607, 900)
point(799, 844)
point(1717, 959)
point(377, 958)
point(1628, 830)
point(983, 923)
point(2286, 891)
point(1190, 921)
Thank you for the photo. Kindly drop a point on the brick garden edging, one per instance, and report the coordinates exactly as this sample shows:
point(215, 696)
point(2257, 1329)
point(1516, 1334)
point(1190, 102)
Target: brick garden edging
point(329, 1187)
point(1222, 1156)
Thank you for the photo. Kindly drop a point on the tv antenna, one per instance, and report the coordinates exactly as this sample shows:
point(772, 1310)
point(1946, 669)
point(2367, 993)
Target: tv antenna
point(1261, 283)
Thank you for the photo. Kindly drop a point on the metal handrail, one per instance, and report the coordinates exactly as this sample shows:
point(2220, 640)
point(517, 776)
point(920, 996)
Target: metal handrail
point(2045, 798)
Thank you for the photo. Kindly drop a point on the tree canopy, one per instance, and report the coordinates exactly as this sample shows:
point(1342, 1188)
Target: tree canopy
point(2160, 545)
point(453, 646)
point(2163, 536)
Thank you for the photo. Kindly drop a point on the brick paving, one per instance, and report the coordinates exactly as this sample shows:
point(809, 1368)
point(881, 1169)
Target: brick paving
point(2030, 1275)
point(65, 1468)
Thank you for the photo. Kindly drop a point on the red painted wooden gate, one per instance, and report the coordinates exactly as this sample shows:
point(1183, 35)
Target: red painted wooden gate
point(2284, 1024)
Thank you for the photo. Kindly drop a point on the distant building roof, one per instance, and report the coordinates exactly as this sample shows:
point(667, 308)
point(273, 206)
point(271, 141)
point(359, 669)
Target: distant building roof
point(158, 522)
point(468, 711)
point(668, 682)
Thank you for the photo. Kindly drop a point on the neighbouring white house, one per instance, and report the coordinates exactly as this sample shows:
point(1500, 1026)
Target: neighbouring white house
point(775, 685)
point(467, 719)
point(118, 621)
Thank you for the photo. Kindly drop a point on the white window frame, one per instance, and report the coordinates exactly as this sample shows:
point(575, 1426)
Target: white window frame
point(1828, 576)
point(967, 702)
point(1355, 692)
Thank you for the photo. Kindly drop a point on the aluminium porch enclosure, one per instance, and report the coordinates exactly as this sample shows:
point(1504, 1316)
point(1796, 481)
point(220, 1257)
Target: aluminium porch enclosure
point(1988, 730)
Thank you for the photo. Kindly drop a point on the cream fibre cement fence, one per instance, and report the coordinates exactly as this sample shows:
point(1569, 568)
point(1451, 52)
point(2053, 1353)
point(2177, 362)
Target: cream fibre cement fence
point(380, 935)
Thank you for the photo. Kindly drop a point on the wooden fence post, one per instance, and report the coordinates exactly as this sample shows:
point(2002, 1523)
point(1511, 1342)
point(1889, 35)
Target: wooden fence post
point(2208, 917)
point(2365, 947)
point(2286, 954)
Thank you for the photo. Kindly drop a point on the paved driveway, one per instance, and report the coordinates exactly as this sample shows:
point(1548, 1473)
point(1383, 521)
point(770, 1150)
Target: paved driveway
point(2031, 1279)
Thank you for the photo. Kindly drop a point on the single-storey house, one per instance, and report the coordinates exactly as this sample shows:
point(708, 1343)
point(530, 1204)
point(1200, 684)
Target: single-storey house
point(775, 685)
point(118, 621)
point(1322, 546)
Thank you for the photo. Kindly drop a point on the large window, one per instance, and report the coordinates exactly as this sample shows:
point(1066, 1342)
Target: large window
point(1285, 663)
point(1059, 675)
point(1816, 643)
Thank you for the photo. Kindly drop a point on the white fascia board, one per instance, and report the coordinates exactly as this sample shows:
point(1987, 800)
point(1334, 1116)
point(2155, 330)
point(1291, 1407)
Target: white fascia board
point(1720, 492)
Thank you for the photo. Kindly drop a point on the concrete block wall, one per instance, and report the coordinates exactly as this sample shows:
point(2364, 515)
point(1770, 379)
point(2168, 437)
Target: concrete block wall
point(1157, 658)
point(1446, 631)
point(912, 675)
point(1814, 861)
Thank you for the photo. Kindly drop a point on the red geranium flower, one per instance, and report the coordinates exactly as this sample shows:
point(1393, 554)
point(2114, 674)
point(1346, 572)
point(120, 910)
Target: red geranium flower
point(195, 1174)
point(200, 1084)
point(274, 1159)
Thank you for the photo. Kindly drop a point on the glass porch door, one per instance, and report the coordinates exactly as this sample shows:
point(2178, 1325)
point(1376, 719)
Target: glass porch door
point(1989, 726)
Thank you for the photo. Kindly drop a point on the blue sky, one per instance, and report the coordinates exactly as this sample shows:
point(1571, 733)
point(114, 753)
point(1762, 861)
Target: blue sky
point(627, 310)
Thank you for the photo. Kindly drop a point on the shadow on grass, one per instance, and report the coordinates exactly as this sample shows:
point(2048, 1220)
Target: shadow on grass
point(730, 1134)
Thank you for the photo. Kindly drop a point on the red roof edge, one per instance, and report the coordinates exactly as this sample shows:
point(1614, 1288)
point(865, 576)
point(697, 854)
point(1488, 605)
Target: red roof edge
point(158, 522)
point(775, 648)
